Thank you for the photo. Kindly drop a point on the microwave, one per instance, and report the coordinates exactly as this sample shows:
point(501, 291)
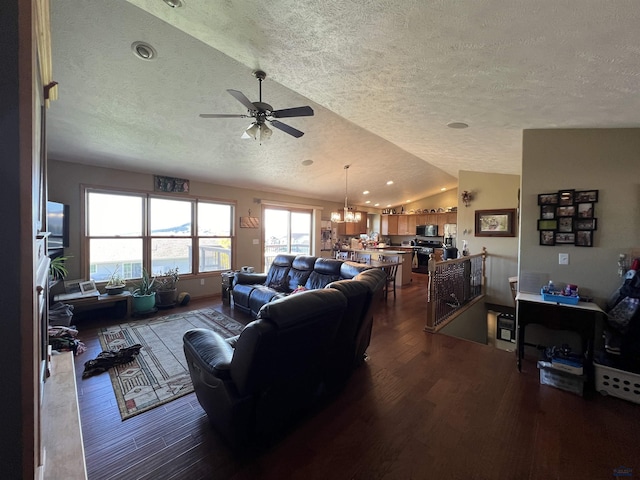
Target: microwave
point(427, 230)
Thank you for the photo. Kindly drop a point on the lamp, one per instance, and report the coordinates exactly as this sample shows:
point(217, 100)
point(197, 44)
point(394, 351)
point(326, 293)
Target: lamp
point(348, 215)
point(466, 198)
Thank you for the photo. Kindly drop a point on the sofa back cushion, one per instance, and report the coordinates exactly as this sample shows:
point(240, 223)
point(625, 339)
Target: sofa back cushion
point(301, 268)
point(349, 270)
point(278, 275)
point(325, 271)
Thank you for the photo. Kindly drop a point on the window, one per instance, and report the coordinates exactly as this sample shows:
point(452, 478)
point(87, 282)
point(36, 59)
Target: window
point(128, 232)
point(286, 231)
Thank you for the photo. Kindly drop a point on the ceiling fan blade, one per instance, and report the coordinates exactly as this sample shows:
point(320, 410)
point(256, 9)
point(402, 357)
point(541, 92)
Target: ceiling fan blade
point(222, 115)
point(293, 112)
point(287, 129)
point(242, 99)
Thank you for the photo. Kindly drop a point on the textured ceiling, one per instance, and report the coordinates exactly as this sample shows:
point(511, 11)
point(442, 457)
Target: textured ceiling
point(384, 77)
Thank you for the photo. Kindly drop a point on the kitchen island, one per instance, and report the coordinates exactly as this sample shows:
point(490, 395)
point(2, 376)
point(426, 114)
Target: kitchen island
point(403, 276)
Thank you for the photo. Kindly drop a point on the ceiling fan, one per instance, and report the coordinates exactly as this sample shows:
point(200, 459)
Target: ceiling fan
point(262, 113)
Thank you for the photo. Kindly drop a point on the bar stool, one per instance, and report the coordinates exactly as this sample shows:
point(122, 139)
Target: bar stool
point(391, 271)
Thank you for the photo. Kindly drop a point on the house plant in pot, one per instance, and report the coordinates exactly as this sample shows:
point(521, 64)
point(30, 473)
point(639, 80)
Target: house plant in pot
point(144, 296)
point(166, 288)
point(115, 285)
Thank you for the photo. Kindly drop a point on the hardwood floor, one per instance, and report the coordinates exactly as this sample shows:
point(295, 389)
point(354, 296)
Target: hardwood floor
point(423, 406)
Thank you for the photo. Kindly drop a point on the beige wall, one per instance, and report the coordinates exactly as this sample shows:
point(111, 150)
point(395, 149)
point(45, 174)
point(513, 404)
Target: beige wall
point(490, 191)
point(65, 180)
point(441, 200)
point(607, 160)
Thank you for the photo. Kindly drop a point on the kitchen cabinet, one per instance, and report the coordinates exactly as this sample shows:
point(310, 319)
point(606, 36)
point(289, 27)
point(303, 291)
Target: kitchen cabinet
point(405, 224)
point(389, 225)
point(352, 228)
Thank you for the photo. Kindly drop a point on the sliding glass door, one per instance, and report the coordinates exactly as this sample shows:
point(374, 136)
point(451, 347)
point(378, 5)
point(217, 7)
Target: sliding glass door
point(286, 230)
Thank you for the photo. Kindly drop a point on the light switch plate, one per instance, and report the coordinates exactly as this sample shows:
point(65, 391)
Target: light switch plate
point(563, 259)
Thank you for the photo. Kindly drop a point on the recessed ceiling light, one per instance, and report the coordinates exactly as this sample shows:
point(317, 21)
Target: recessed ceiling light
point(390, 182)
point(408, 201)
point(457, 125)
point(443, 189)
point(376, 204)
point(389, 205)
point(366, 192)
point(144, 51)
point(368, 201)
point(307, 162)
point(173, 3)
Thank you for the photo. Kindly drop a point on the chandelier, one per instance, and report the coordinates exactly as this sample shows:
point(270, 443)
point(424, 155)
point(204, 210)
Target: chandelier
point(348, 215)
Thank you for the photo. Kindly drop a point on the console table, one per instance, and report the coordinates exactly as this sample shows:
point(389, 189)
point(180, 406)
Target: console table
point(580, 318)
point(119, 302)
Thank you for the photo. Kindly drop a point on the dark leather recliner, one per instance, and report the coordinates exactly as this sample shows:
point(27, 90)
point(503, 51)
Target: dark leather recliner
point(276, 370)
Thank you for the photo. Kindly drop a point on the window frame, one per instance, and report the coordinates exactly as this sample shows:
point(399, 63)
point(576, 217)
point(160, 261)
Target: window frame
point(147, 237)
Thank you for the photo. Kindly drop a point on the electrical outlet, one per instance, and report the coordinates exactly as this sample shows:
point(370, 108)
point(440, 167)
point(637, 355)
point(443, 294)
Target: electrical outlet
point(202, 281)
point(256, 241)
point(563, 259)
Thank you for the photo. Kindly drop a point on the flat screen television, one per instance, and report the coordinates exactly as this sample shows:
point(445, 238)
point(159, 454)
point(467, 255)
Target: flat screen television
point(57, 226)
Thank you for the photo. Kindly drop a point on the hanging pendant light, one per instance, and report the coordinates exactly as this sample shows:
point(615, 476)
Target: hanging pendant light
point(348, 215)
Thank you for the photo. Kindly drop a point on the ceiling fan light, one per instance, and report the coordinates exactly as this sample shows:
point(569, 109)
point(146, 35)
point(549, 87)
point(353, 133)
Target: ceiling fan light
point(265, 132)
point(253, 130)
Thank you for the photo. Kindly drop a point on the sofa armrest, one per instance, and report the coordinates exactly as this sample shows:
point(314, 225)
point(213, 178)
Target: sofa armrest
point(209, 351)
point(249, 278)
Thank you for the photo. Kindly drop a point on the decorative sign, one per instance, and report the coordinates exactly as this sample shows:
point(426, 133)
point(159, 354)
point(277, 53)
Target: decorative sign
point(170, 184)
point(249, 222)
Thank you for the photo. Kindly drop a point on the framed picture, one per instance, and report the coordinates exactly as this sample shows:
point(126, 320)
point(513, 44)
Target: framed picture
point(547, 211)
point(586, 196)
point(565, 224)
point(584, 238)
point(565, 238)
point(547, 237)
point(566, 197)
point(496, 223)
point(547, 224)
point(548, 199)
point(88, 286)
point(585, 210)
point(566, 211)
point(586, 224)
point(170, 184)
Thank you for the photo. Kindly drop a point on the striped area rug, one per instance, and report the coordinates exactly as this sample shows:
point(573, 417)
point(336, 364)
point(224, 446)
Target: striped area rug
point(159, 374)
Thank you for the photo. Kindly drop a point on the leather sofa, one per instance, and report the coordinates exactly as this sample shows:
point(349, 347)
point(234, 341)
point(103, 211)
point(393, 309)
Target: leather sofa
point(274, 373)
point(287, 272)
point(301, 349)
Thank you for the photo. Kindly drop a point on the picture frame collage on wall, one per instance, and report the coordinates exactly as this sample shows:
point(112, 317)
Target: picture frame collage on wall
point(567, 217)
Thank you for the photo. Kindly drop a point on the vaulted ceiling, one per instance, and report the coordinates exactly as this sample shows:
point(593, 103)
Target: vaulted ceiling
point(384, 77)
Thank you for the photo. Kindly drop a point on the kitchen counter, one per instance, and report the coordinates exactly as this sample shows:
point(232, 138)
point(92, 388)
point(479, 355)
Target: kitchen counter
point(403, 276)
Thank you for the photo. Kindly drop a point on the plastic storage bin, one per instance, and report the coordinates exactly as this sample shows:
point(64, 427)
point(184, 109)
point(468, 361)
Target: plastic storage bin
point(562, 380)
point(618, 383)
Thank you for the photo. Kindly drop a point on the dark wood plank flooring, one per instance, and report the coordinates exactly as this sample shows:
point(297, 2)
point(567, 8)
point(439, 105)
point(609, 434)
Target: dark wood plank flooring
point(423, 406)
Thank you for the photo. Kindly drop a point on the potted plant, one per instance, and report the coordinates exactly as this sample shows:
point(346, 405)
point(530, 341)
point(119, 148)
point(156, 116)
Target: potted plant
point(57, 268)
point(115, 285)
point(144, 296)
point(166, 288)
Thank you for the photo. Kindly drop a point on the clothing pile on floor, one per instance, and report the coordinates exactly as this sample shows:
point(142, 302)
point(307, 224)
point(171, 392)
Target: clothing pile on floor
point(107, 359)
